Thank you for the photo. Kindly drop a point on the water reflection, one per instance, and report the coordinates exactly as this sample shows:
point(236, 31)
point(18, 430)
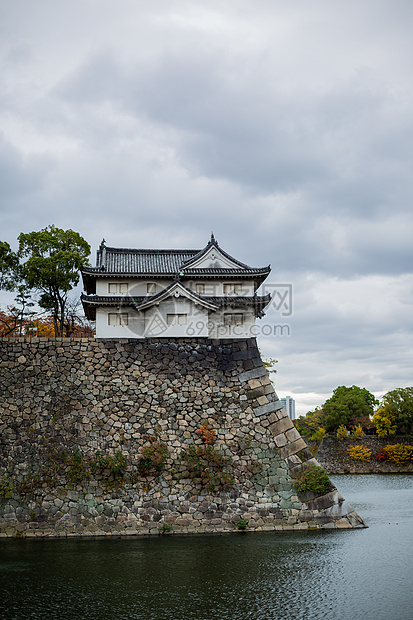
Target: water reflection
point(305, 575)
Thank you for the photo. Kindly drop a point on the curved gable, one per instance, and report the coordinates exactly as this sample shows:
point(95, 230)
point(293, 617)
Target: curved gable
point(176, 289)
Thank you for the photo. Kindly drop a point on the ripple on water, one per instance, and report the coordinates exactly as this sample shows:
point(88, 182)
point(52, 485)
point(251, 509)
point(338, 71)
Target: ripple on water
point(347, 575)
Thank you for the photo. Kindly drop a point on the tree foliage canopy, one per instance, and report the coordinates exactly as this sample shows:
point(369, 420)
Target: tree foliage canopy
point(49, 262)
point(53, 260)
point(310, 424)
point(396, 412)
point(9, 267)
point(346, 404)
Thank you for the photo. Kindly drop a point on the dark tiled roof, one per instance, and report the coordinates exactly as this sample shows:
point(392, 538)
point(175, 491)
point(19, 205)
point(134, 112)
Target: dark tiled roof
point(257, 300)
point(118, 260)
point(111, 300)
point(126, 300)
point(219, 271)
point(122, 262)
point(213, 243)
point(91, 302)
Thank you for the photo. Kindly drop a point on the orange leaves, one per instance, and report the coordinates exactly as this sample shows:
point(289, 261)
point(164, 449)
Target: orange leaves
point(206, 433)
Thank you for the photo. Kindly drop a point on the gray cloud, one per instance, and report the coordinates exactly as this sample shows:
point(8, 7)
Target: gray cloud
point(285, 128)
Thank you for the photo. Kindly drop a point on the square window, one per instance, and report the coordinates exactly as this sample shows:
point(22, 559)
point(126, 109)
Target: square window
point(118, 319)
point(176, 319)
point(200, 289)
point(233, 288)
point(123, 318)
point(118, 287)
point(112, 318)
point(151, 288)
point(235, 318)
point(227, 319)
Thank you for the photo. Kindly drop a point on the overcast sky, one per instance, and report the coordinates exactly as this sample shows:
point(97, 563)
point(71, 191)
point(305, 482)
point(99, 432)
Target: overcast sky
point(284, 127)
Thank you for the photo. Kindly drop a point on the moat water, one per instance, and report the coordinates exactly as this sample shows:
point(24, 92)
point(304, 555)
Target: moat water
point(343, 575)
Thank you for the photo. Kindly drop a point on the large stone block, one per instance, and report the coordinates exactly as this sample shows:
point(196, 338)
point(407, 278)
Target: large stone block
point(292, 448)
point(281, 426)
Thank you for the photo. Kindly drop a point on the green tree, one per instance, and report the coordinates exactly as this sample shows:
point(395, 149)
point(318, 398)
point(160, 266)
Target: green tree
point(269, 364)
point(346, 404)
point(53, 260)
point(9, 267)
point(397, 407)
point(310, 424)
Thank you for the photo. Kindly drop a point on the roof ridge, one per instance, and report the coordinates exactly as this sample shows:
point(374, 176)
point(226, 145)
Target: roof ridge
point(151, 250)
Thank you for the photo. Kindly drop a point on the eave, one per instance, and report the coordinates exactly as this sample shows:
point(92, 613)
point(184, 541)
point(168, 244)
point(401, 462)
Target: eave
point(141, 303)
point(176, 289)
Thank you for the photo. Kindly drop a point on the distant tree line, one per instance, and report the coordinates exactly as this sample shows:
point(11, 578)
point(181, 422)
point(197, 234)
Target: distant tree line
point(351, 408)
point(44, 270)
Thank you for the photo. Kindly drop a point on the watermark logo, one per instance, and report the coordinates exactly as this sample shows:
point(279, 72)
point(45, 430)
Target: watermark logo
point(281, 297)
point(179, 316)
point(156, 325)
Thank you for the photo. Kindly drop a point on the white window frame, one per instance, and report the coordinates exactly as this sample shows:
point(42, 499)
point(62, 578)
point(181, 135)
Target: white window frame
point(233, 318)
point(176, 319)
point(232, 288)
point(200, 288)
point(118, 318)
point(118, 288)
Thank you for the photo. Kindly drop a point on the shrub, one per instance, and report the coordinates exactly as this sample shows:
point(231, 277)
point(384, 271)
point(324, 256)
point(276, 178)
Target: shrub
point(358, 432)
point(342, 432)
point(319, 434)
point(312, 478)
point(381, 455)
point(153, 458)
point(208, 465)
point(6, 487)
point(399, 453)
point(385, 423)
point(115, 464)
point(359, 453)
point(206, 433)
point(77, 471)
point(242, 524)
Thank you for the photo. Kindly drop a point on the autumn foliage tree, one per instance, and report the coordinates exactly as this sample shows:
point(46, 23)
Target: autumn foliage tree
point(12, 324)
point(395, 414)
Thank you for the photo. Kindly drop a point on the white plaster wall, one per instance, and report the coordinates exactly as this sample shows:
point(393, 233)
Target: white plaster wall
point(153, 322)
point(214, 288)
point(156, 319)
point(136, 287)
point(219, 330)
point(134, 329)
point(214, 258)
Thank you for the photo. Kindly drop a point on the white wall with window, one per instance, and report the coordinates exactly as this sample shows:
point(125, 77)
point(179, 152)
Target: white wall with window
point(232, 323)
point(118, 288)
point(127, 286)
point(176, 318)
point(125, 322)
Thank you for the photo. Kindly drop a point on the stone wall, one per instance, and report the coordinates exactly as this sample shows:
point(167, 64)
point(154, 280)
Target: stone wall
point(79, 417)
point(333, 456)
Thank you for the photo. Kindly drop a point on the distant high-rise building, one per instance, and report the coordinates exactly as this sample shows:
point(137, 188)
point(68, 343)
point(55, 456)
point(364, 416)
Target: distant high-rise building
point(289, 406)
